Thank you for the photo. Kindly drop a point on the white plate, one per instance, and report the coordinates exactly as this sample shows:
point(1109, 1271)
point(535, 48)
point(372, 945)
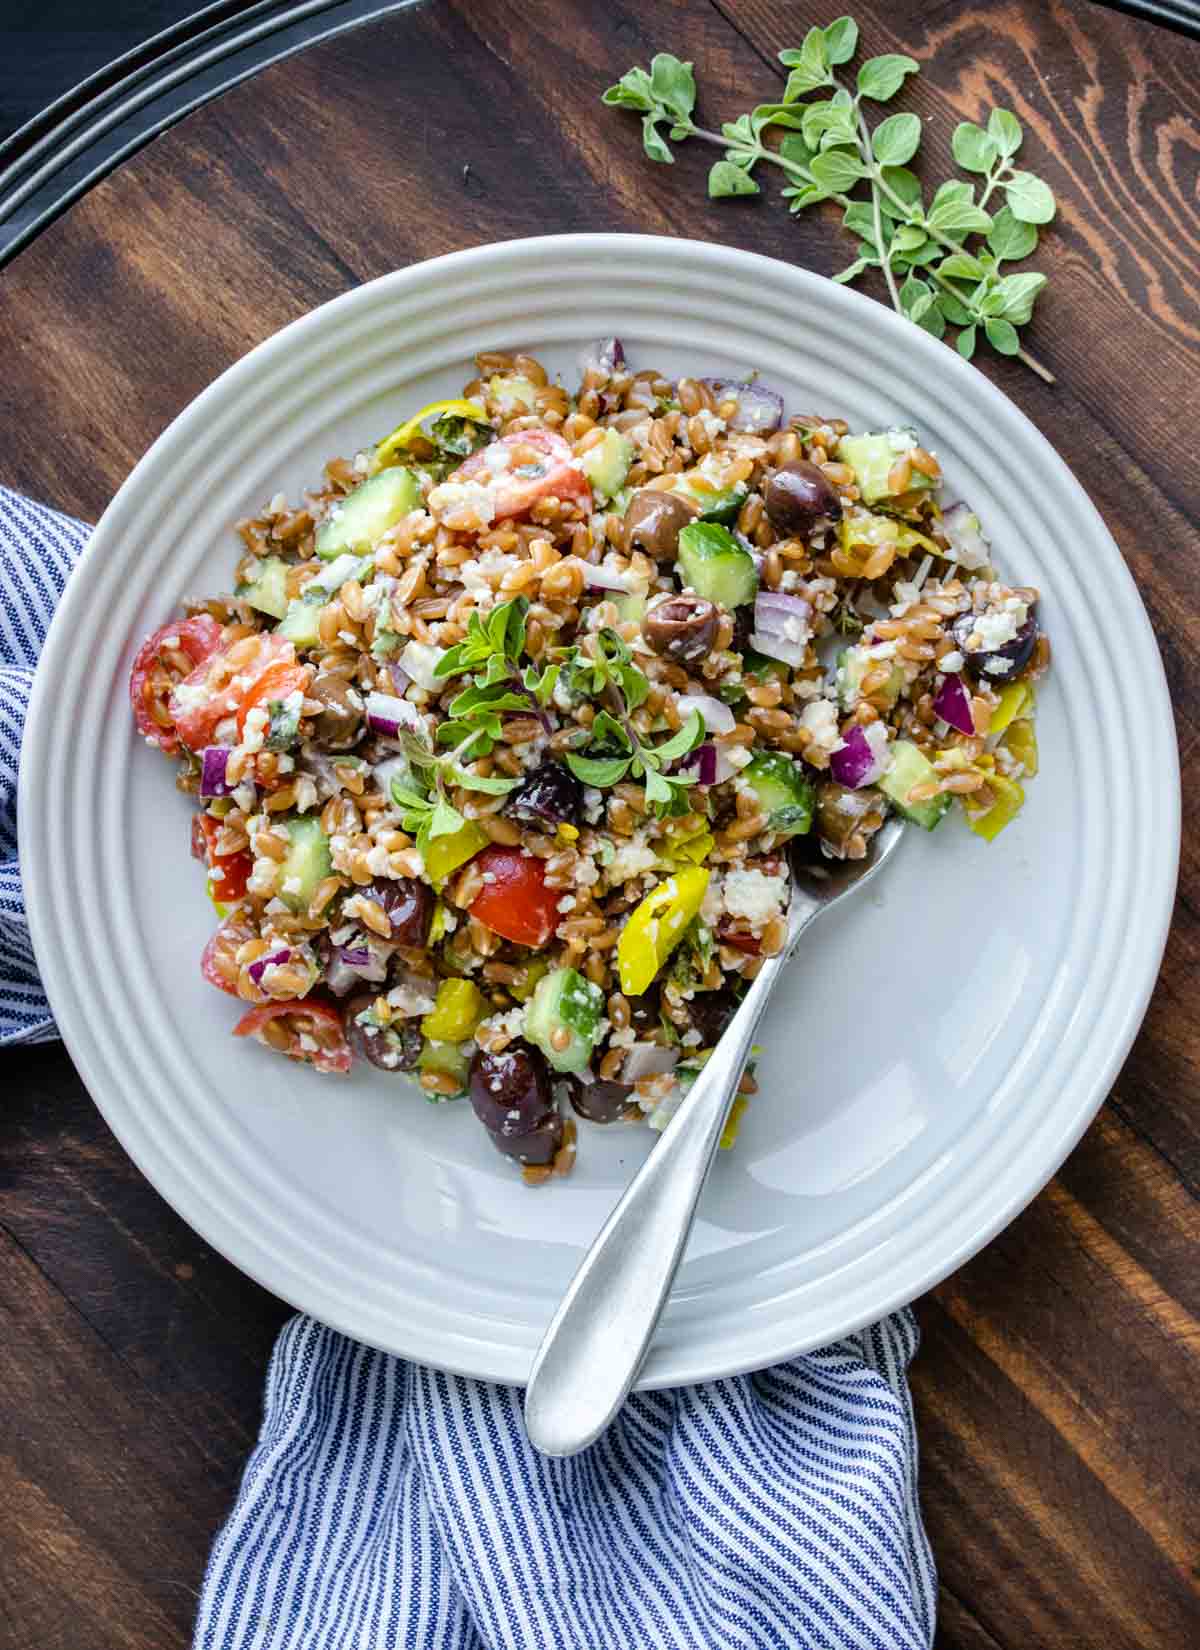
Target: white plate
point(936, 1052)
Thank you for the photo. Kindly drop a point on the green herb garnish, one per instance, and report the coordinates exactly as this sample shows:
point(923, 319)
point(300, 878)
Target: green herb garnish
point(934, 274)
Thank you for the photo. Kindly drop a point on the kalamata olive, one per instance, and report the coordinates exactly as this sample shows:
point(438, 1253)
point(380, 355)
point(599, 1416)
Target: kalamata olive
point(841, 812)
point(408, 906)
point(600, 1102)
point(511, 1091)
point(539, 1146)
point(551, 795)
point(392, 1048)
point(996, 665)
point(710, 1012)
point(799, 495)
point(653, 522)
point(645, 1013)
point(682, 629)
point(340, 725)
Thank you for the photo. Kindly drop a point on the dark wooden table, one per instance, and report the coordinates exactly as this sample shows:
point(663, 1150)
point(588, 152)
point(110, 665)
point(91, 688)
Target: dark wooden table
point(1059, 1382)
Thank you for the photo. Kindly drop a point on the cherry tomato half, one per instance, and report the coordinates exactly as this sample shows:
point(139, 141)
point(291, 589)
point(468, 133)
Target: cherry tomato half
point(218, 687)
point(276, 682)
point(163, 661)
point(515, 902)
point(536, 464)
point(228, 874)
point(310, 1031)
point(219, 963)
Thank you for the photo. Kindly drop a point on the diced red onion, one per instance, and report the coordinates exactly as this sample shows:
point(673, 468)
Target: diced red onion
point(716, 716)
point(856, 761)
point(960, 527)
point(400, 677)
point(213, 760)
point(259, 968)
point(759, 410)
point(706, 765)
point(339, 978)
point(604, 578)
point(777, 618)
point(365, 961)
point(605, 355)
point(648, 1060)
point(952, 703)
point(387, 714)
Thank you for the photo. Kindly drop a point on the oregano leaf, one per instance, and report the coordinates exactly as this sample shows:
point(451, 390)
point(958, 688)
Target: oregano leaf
point(880, 78)
point(1004, 129)
point(973, 148)
point(965, 343)
point(1002, 336)
point(1010, 239)
point(896, 139)
point(654, 143)
point(1031, 200)
point(837, 170)
point(726, 179)
point(841, 40)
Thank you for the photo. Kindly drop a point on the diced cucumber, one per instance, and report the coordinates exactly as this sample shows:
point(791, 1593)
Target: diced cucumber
point(334, 575)
point(299, 623)
point(268, 591)
point(448, 1060)
point(306, 863)
point(910, 768)
point(784, 795)
point(607, 463)
point(565, 1002)
point(632, 607)
point(872, 458)
point(714, 565)
point(364, 516)
point(761, 669)
point(512, 393)
point(715, 503)
point(853, 664)
point(285, 721)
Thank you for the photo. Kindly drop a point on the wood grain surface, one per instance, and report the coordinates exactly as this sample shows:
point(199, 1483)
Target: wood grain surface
point(1059, 1381)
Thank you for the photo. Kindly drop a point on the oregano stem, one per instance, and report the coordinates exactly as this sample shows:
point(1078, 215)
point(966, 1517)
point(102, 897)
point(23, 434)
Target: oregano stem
point(885, 252)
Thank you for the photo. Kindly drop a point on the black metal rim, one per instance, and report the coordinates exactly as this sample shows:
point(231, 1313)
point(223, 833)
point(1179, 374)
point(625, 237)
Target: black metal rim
point(58, 155)
point(79, 138)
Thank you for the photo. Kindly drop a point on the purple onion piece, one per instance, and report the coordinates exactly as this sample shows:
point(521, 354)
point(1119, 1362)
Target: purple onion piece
point(605, 355)
point(714, 713)
point(759, 410)
point(339, 978)
point(959, 525)
point(855, 763)
point(259, 968)
point(777, 614)
point(706, 765)
point(952, 703)
point(387, 714)
point(213, 761)
point(648, 1060)
point(400, 678)
point(604, 578)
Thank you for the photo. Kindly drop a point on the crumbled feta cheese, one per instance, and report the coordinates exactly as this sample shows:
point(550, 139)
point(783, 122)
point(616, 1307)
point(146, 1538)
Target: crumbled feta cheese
point(455, 501)
point(188, 696)
point(950, 662)
point(711, 423)
point(754, 896)
point(419, 660)
point(820, 718)
point(996, 629)
point(411, 998)
point(714, 905)
point(630, 860)
point(474, 574)
point(625, 1038)
point(306, 793)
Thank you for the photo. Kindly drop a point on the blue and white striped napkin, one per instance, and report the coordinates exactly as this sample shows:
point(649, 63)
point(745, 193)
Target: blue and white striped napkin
point(389, 1505)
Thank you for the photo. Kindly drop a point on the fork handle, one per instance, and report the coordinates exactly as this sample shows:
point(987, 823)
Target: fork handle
point(590, 1355)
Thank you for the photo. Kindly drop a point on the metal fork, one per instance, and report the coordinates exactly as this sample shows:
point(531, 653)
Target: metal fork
point(597, 1340)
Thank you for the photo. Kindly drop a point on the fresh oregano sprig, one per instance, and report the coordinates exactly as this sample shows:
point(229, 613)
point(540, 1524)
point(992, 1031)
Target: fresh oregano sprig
point(942, 263)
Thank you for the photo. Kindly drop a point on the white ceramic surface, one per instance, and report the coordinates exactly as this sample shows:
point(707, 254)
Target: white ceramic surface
point(934, 1056)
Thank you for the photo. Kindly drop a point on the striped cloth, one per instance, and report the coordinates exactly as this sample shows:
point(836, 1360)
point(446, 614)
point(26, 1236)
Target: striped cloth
point(392, 1507)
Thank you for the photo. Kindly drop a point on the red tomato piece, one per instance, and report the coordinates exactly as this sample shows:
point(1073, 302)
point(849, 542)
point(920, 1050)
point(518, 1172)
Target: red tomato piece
point(515, 902)
point(310, 1031)
point(536, 464)
point(163, 661)
point(277, 682)
point(219, 963)
point(228, 873)
point(739, 940)
point(217, 688)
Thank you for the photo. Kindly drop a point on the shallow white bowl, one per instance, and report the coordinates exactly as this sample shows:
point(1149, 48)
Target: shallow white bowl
point(934, 1055)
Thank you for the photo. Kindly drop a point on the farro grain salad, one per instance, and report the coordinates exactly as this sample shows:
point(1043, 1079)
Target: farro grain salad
point(502, 738)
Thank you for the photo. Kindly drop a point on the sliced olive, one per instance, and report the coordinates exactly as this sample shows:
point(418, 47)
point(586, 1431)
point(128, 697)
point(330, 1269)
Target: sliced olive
point(710, 1012)
point(550, 796)
point(408, 906)
point(682, 629)
point(511, 1092)
point(393, 1047)
point(997, 665)
point(654, 520)
point(601, 1101)
point(799, 495)
point(340, 724)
